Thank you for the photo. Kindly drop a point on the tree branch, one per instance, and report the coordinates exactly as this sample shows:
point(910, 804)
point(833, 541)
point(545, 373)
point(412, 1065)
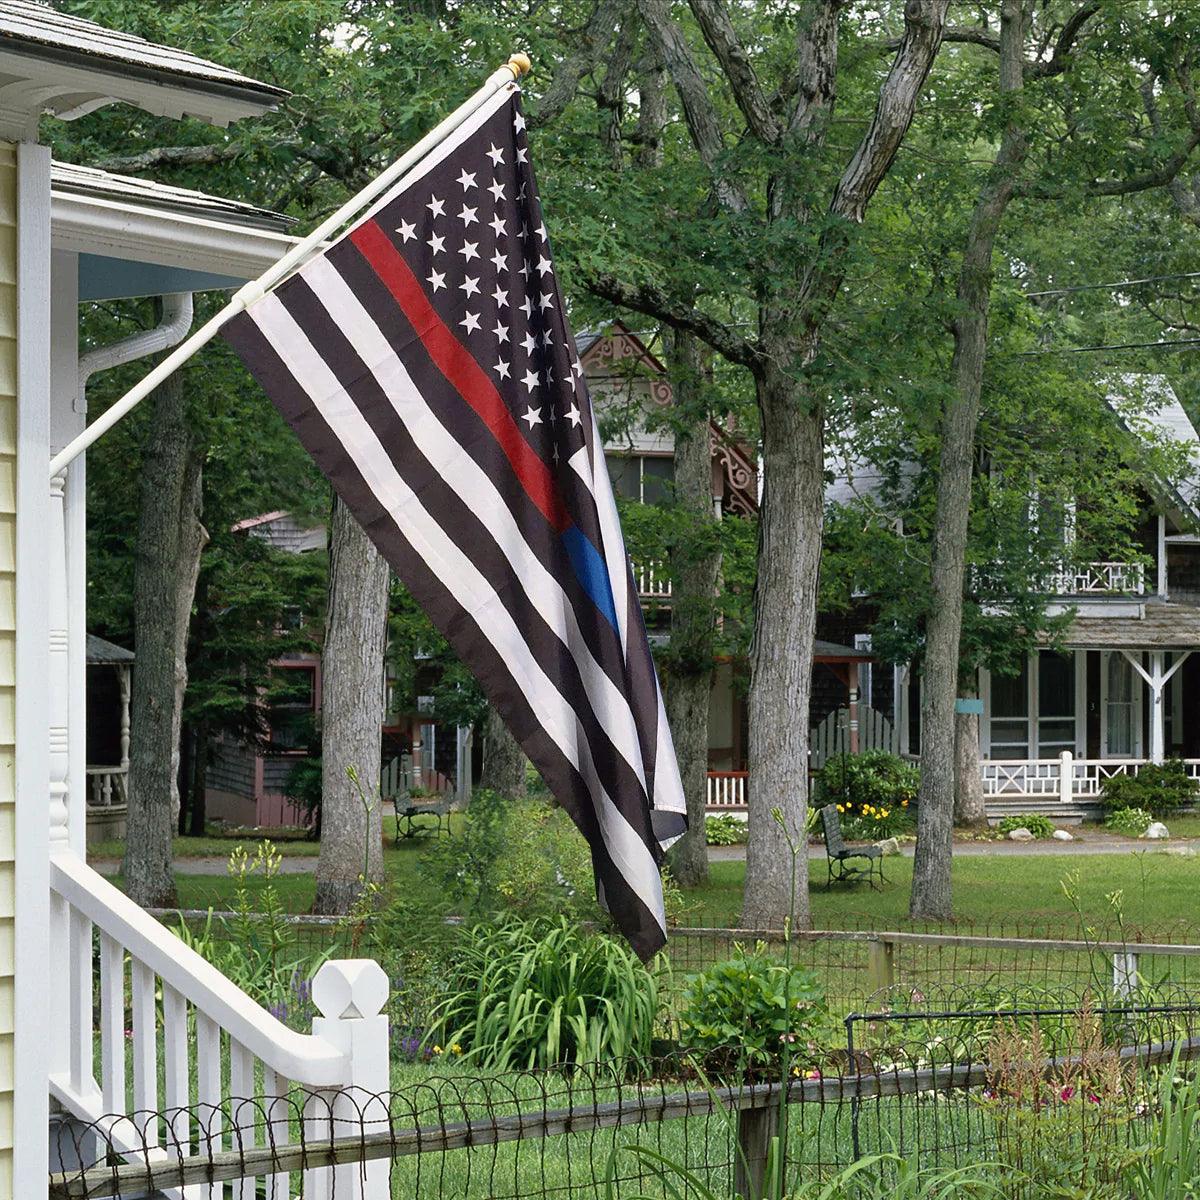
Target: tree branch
point(973, 35)
point(172, 156)
point(723, 41)
point(597, 33)
point(698, 109)
point(924, 22)
point(1056, 64)
point(652, 301)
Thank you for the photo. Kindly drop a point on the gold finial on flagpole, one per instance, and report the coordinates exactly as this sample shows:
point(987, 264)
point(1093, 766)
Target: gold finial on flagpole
point(519, 65)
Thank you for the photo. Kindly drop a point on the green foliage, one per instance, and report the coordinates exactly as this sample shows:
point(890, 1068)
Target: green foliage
point(524, 857)
point(725, 830)
point(1159, 788)
point(1132, 822)
point(1037, 823)
point(256, 947)
point(537, 994)
point(750, 1010)
point(1168, 1167)
point(874, 793)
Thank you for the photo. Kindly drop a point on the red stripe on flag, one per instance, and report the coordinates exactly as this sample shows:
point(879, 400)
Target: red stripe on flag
point(456, 363)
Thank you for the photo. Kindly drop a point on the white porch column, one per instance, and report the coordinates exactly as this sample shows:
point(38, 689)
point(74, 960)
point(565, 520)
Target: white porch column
point(1161, 557)
point(1156, 679)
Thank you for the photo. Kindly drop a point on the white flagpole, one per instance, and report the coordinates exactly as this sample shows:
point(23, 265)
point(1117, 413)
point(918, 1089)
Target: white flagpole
point(512, 70)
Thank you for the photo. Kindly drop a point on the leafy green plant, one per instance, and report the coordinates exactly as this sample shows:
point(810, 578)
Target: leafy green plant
point(256, 947)
point(1168, 1167)
point(1132, 822)
point(1038, 824)
point(1159, 788)
point(746, 1011)
point(874, 793)
point(725, 830)
point(529, 994)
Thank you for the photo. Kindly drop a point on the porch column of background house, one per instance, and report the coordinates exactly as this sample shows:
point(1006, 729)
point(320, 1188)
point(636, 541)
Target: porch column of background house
point(1156, 679)
point(852, 704)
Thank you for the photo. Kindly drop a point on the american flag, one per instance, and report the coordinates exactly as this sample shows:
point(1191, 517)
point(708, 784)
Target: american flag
point(426, 363)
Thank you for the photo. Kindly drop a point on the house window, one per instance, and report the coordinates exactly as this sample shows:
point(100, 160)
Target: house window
point(1010, 714)
point(1121, 713)
point(1056, 704)
point(291, 708)
point(639, 477)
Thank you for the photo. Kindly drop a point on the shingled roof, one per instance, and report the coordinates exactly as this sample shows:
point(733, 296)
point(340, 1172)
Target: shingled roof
point(69, 53)
point(1162, 626)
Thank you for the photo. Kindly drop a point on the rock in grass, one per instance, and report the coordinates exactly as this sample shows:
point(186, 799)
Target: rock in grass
point(1061, 835)
point(888, 847)
point(1020, 835)
point(1156, 829)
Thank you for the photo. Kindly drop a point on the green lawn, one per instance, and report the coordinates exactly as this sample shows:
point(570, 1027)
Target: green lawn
point(1159, 890)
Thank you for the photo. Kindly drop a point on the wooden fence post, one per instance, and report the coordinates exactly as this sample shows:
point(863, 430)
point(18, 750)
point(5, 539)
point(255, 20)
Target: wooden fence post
point(755, 1127)
point(881, 964)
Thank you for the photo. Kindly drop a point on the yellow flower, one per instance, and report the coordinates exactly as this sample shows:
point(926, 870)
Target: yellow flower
point(841, 809)
point(886, 811)
point(903, 803)
point(437, 1049)
point(456, 1049)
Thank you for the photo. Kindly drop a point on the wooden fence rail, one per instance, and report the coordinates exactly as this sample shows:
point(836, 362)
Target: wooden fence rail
point(643, 1109)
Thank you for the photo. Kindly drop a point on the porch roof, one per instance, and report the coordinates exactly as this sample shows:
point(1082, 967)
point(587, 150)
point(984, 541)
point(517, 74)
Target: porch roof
point(1163, 626)
point(833, 652)
point(100, 652)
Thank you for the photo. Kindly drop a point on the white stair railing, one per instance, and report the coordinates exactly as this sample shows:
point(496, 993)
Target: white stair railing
point(227, 1066)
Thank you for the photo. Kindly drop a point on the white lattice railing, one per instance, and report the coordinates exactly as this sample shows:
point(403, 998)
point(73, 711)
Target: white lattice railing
point(653, 580)
point(232, 1074)
point(726, 790)
point(107, 786)
point(1097, 579)
point(1066, 778)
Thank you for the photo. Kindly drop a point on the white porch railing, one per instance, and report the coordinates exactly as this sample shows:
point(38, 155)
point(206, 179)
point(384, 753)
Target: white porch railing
point(226, 1064)
point(1067, 778)
point(1097, 579)
point(653, 580)
point(726, 790)
point(108, 786)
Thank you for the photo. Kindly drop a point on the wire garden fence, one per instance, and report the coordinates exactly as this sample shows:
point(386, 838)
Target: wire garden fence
point(1059, 1097)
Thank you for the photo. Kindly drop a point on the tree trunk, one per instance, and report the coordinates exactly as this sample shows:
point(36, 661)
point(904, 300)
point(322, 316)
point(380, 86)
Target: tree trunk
point(351, 716)
point(166, 564)
point(970, 812)
point(931, 890)
point(696, 568)
point(504, 761)
point(789, 558)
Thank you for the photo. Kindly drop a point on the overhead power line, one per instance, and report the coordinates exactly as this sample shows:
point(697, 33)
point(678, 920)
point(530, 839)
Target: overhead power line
point(1118, 285)
point(1171, 345)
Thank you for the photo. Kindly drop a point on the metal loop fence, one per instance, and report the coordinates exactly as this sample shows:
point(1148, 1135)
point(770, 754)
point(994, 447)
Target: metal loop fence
point(1059, 1096)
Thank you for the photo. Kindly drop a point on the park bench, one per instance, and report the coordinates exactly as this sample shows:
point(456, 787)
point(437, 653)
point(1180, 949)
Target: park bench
point(396, 786)
point(839, 858)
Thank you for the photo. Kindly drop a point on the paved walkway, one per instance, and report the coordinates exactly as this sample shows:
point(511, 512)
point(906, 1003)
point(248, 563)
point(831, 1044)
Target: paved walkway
point(1082, 846)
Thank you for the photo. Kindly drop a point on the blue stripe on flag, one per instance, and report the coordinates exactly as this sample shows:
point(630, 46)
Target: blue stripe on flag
point(591, 571)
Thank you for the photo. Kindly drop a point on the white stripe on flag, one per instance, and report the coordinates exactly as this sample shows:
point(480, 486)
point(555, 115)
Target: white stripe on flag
point(452, 462)
point(629, 854)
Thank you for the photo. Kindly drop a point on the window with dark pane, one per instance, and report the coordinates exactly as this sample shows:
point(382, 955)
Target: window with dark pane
point(657, 476)
point(1010, 715)
point(625, 473)
point(1056, 703)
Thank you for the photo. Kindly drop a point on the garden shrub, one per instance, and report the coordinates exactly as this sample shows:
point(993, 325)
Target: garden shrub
point(536, 994)
point(1038, 824)
point(746, 1011)
point(873, 792)
point(1159, 788)
point(1132, 822)
point(725, 830)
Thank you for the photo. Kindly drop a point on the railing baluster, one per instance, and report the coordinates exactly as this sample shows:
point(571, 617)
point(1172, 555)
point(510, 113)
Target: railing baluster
point(278, 1127)
point(175, 1067)
point(145, 1047)
point(81, 1066)
point(112, 1024)
point(243, 1109)
point(209, 1092)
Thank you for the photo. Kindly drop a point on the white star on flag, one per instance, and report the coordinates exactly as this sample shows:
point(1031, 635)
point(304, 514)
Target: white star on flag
point(436, 207)
point(471, 322)
point(496, 155)
point(407, 230)
point(573, 416)
point(437, 280)
point(497, 225)
point(501, 297)
point(497, 189)
point(469, 250)
point(467, 179)
point(467, 216)
point(501, 368)
point(501, 332)
point(470, 285)
point(436, 244)
point(530, 342)
point(533, 416)
point(530, 381)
